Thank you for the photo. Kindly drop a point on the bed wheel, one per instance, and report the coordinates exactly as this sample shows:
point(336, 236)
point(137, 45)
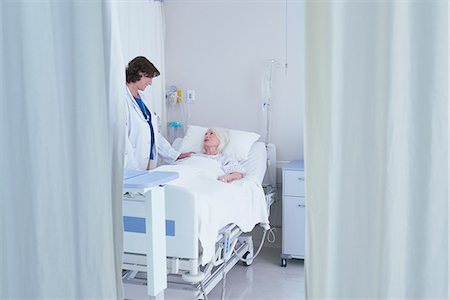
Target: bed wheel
point(247, 264)
point(283, 263)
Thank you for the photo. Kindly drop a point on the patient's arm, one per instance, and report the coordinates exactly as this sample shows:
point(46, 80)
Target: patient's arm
point(230, 177)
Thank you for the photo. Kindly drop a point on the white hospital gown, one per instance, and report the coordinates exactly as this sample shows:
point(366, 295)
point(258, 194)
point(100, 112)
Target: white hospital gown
point(228, 164)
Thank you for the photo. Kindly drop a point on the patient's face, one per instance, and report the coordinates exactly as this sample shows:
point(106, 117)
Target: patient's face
point(210, 139)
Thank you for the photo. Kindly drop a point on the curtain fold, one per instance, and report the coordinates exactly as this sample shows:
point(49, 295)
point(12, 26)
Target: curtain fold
point(141, 26)
point(159, 91)
point(376, 150)
point(117, 118)
point(62, 155)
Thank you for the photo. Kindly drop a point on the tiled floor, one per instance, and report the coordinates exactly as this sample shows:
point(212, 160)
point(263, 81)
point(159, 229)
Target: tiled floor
point(264, 279)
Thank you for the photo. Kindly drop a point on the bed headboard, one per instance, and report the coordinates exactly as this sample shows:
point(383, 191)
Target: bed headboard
point(270, 178)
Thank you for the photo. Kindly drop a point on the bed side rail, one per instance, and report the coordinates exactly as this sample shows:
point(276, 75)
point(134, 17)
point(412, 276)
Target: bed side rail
point(182, 233)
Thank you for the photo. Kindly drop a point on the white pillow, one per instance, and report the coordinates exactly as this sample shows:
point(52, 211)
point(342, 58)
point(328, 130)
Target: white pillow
point(240, 144)
point(238, 147)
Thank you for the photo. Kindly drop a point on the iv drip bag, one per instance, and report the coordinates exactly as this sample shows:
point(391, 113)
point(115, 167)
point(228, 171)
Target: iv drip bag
point(268, 78)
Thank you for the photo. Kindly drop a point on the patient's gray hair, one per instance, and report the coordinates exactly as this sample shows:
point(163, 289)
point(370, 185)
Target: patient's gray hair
point(222, 135)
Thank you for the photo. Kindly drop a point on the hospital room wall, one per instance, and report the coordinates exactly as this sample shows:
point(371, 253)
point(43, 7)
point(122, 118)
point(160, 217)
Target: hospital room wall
point(218, 49)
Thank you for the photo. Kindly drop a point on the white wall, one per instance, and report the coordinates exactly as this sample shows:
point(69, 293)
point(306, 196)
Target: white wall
point(218, 49)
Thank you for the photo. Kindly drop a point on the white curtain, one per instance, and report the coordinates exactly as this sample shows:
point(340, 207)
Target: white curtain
point(376, 150)
point(159, 86)
point(61, 162)
point(141, 24)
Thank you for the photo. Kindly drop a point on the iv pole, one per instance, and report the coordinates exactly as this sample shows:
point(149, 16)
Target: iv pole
point(267, 87)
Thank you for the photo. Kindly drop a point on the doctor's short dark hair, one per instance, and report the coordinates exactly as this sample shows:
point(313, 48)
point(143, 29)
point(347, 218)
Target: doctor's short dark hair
point(138, 67)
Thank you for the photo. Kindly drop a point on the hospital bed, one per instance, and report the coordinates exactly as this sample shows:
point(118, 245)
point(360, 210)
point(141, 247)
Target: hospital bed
point(205, 223)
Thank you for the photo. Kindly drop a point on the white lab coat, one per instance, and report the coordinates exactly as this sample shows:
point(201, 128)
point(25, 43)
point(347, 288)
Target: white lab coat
point(137, 150)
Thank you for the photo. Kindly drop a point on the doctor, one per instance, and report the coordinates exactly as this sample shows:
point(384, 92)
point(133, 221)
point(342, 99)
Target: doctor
point(144, 141)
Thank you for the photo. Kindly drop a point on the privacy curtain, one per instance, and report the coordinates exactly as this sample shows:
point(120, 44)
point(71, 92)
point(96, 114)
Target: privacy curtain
point(61, 162)
point(159, 86)
point(376, 150)
point(141, 25)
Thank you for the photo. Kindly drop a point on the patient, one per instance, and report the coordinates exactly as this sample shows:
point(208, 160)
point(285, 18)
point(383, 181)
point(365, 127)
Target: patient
point(214, 142)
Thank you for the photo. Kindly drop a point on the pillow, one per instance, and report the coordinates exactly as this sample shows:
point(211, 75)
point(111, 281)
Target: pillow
point(193, 139)
point(238, 147)
point(240, 144)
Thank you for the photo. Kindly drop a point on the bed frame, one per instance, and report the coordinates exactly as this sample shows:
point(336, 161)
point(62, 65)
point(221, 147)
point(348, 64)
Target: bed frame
point(182, 243)
point(182, 246)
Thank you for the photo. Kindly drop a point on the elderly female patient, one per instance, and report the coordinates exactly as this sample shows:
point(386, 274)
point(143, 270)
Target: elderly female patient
point(214, 142)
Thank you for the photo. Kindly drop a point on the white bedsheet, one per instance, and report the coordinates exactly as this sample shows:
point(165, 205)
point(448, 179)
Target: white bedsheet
point(241, 202)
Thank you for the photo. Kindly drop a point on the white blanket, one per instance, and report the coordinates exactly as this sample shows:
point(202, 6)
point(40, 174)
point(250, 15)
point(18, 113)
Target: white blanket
point(241, 202)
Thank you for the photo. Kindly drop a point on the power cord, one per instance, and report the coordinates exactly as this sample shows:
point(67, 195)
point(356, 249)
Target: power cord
point(271, 233)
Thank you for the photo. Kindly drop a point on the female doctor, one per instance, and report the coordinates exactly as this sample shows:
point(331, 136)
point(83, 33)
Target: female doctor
point(144, 141)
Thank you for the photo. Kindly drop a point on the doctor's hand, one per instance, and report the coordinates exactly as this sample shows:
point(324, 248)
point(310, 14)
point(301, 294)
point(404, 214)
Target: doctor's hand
point(184, 155)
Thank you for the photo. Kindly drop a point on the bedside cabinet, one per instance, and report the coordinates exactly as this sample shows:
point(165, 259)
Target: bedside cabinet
point(293, 212)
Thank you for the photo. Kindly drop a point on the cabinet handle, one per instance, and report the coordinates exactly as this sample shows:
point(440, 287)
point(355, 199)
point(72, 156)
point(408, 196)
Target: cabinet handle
point(301, 178)
point(301, 205)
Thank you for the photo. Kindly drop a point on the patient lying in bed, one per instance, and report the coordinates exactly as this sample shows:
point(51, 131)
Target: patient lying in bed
point(219, 202)
point(213, 143)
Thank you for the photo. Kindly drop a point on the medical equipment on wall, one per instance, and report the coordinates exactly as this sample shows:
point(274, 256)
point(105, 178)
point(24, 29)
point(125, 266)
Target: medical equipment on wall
point(267, 87)
point(178, 114)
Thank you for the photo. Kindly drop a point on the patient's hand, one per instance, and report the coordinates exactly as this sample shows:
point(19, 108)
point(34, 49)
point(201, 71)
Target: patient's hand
point(184, 155)
point(230, 177)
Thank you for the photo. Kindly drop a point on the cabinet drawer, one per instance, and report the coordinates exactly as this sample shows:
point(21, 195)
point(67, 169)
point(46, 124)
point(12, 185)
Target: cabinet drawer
point(294, 183)
point(294, 226)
